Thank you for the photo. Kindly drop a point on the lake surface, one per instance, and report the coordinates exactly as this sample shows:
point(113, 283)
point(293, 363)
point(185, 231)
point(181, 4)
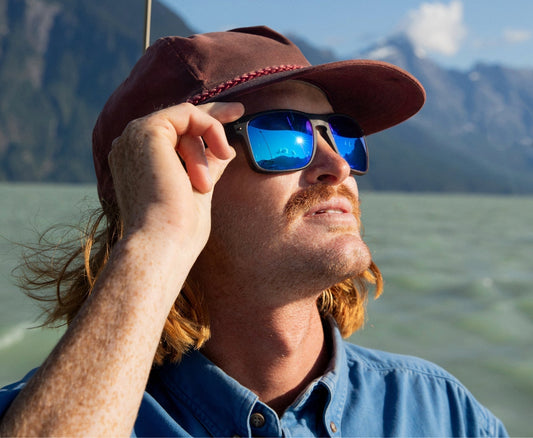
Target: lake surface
point(458, 286)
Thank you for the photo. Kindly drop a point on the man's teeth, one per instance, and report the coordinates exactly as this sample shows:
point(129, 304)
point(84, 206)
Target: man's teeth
point(327, 211)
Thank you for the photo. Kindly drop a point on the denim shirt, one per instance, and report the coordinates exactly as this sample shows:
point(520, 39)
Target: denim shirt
point(362, 393)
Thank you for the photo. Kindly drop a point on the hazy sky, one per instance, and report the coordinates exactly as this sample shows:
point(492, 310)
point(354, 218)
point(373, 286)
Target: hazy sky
point(456, 33)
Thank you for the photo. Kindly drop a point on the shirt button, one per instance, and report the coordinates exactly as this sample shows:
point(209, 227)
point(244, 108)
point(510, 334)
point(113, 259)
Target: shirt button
point(257, 420)
point(333, 427)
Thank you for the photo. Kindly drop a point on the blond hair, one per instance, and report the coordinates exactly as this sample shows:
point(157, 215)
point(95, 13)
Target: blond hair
point(73, 266)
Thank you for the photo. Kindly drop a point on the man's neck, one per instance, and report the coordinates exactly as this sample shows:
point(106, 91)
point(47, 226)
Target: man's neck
point(275, 352)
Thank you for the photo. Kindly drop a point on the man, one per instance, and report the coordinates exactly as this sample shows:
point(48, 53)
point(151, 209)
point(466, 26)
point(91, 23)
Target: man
point(220, 312)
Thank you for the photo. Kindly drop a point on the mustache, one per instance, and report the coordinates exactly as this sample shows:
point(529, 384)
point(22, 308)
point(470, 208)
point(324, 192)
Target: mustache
point(305, 199)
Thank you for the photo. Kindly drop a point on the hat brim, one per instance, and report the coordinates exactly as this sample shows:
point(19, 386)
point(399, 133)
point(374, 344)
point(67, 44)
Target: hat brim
point(377, 94)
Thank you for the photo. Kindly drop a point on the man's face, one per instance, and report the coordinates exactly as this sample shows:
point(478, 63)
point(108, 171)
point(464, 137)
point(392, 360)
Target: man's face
point(288, 230)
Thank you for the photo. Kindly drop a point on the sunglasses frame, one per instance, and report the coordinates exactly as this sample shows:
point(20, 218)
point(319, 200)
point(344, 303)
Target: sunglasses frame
point(239, 128)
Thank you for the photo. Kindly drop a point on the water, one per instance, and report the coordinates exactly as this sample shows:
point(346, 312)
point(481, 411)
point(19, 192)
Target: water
point(458, 272)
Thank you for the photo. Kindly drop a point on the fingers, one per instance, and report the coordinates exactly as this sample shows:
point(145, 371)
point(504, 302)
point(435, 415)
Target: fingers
point(161, 167)
point(206, 121)
point(196, 125)
point(224, 112)
point(192, 151)
point(152, 142)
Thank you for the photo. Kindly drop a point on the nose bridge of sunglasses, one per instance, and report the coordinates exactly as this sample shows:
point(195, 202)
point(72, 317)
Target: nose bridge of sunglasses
point(325, 133)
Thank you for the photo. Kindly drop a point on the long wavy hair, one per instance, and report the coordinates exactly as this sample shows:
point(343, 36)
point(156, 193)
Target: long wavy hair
point(62, 275)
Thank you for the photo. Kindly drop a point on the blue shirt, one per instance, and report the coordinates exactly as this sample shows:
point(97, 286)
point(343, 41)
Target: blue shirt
point(362, 393)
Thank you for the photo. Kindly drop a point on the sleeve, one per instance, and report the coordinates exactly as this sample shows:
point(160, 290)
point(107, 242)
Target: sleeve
point(495, 427)
point(500, 429)
point(9, 393)
point(468, 416)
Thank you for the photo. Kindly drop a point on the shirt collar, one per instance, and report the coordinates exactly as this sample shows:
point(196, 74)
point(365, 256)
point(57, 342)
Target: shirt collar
point(224, 406)
point(335, 381)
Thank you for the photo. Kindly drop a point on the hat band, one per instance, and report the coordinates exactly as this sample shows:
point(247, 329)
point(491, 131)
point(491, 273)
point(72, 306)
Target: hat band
point(207, 94)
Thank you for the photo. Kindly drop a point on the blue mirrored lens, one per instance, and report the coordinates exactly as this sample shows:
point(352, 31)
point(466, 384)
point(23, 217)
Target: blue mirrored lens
point(281, 141)
point(350, 142)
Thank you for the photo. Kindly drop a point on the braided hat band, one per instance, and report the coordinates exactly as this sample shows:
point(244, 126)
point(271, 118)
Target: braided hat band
point(209, 94)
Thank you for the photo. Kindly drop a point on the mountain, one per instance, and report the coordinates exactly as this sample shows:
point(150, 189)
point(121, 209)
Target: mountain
point(61, 59)
point(477, 124)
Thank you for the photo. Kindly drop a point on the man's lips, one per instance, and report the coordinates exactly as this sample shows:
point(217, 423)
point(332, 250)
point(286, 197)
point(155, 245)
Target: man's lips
point(325, 202)
point(332, 206)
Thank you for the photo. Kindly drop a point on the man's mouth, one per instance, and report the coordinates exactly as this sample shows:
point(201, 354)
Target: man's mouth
point(323, 201)
point(328, 211)
point(332, 206)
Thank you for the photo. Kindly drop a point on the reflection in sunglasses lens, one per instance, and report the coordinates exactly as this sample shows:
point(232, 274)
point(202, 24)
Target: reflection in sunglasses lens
point(281, 141)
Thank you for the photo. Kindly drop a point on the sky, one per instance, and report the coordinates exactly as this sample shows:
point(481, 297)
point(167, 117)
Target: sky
point(454, 33)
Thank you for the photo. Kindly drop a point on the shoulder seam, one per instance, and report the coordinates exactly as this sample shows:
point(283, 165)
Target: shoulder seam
point(488, 422)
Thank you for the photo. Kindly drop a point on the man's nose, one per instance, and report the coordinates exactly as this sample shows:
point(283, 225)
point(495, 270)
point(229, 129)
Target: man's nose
point(327, 165)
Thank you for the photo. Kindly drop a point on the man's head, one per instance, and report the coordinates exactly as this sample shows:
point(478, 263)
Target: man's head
point(299, 227)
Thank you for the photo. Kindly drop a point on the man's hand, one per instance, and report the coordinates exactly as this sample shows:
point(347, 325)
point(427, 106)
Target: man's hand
point(164, 175)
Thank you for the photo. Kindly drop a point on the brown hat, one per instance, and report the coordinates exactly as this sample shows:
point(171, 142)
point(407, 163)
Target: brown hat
point(223, 65)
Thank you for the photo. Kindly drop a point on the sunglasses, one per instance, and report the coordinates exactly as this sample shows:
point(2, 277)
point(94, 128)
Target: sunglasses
point(286, 140)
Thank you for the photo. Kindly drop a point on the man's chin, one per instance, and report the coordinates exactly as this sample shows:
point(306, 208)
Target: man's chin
point(344, 261)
